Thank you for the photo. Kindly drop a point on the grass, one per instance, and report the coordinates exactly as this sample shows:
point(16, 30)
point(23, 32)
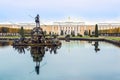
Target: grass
point(113, 38)
point(9, 36)
point(103, 37)
point(12, 37)
point(88, 37)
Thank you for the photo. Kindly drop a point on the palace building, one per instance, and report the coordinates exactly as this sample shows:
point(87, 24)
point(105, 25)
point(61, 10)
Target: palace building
point(67, 27)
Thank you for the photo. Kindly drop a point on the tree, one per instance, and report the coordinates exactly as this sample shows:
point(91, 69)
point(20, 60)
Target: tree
point(50, 33)
point(89, 33)
point(96, 30)
point(86, 32)
point(78, 34)
point(45, 33)
point(61, 33)
point(22, 32)
point(73, 33)
point(93, 32)
point(4, 30)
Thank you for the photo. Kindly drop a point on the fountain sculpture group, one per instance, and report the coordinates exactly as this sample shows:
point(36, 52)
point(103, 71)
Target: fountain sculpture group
point(37, 38)
point(38, 44)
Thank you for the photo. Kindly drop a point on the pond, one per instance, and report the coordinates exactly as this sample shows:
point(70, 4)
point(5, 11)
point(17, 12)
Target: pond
point(74, 60)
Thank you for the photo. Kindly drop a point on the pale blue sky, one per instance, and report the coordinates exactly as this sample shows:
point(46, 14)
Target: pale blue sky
point(19, 10)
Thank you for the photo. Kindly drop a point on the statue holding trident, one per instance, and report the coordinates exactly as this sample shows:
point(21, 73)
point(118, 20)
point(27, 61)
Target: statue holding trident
point(37, 21)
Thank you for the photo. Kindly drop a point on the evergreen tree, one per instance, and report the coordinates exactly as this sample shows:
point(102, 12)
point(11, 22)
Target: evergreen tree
point(89, 32)
point(22, 32)
point(96, 30)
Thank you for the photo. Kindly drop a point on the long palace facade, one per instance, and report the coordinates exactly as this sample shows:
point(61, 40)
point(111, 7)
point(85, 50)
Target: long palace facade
point(68, 27)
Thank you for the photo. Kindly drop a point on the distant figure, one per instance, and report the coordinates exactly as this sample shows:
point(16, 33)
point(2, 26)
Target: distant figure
point(37, 21)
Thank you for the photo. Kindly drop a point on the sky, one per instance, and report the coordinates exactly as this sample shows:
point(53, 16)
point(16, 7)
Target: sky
point(56, 10)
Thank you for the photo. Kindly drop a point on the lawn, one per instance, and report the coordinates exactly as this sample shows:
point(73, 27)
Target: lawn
point(103, 37)
point(113, 38)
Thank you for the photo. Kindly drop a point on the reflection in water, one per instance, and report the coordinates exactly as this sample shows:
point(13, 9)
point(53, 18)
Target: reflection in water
point(5, 43)
point(83, 63)
point(89, 41)
point(96, 44)
point(37, 53)
point(20, 49)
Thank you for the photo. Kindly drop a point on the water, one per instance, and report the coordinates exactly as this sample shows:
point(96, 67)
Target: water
point(75, 60)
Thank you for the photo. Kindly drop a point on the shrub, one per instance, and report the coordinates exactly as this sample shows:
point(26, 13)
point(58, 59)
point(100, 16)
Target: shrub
point(78, 34)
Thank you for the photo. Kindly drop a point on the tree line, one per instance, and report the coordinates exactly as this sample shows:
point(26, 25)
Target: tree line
point(6, 31)
point(109, 31)
point(12, 30)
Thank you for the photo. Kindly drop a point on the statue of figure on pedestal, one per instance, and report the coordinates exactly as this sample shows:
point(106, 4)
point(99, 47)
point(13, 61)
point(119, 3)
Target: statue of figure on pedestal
point(37, 21)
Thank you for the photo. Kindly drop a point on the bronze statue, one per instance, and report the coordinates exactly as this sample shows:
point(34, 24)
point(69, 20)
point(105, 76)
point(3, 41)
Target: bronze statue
point(37, 21)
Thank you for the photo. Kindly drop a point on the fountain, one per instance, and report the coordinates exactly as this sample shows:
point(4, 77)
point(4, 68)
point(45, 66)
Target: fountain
point(37, 38)
point(38, 44)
